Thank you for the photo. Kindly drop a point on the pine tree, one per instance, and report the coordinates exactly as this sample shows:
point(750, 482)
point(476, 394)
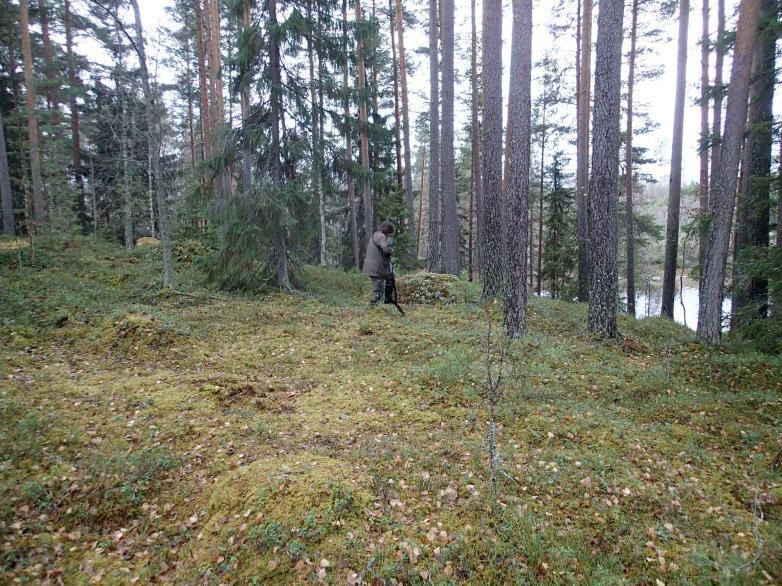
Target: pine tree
point(603, 194)
point(750, 293)
point(492, 230)
point(723, 192)
point(433, 258)
point(519, 124)
point(582, 149)
point(675, 183)
point(449, 221)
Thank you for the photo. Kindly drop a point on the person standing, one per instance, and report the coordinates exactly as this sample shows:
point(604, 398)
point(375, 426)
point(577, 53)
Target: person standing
point(377, 261)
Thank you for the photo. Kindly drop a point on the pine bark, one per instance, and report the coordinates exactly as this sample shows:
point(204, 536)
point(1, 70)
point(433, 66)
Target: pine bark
point(216, 102)
point(397, 112)
point(675, 182)
point(475, 123)
point(582, 151)
point(703, 187)
point(408, 172)
point(492, 236)
point(603, 193)
point(6, 195)
point(629, 212)
point(541, 187)
point(276, 111)
point(317, 192)
point(724, 183)
point(38, 202)
point(450, 219)
point(716, 127)
point(351, 197)
point(155, 137)
point(362, 128)
point(750, 295)
point(433, 257)
point(518, 179)
point(244, 106)
point(206, 127)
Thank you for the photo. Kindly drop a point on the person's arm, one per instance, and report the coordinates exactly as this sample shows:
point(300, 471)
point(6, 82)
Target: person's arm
point(382, 242)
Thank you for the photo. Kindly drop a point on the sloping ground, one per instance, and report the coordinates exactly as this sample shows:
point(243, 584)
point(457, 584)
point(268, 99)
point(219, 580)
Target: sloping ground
point(297, 438)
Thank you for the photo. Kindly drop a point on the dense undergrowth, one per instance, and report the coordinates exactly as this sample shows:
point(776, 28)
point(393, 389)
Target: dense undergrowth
point(203, 438)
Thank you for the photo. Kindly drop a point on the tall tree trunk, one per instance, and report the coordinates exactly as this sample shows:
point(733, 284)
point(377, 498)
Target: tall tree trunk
point(750, 298)
point(206, 127)
point(217, 104)
point(6, 196)
point(603, 194)
point(675, 184)
point(39, 205)
point(450, 218)
point(190, 111)
point(276, 110)
point(703, 189)
point(518, 182)
point(408, 178)
point(629, 211)
point(433, 253)
point(244, 106)
point(397, 114)
point(540, 201)
point(716, 128)
point(317, 193)
point(475, 148)
point(492, 236)
point(348, 143)
point(582, 151)
point(724, 183)
point(155, 138)
point(362, 127)
point(421, 208)
point(52, 100)
point(127, 196)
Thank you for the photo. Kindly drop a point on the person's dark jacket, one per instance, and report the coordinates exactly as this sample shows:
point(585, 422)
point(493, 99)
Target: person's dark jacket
point(377, 262)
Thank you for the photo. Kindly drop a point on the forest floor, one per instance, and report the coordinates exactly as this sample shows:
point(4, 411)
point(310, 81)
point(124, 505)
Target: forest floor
point(211, 438)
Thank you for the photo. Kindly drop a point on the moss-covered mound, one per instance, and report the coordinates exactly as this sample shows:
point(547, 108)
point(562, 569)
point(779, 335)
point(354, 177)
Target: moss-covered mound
point(147, 241)
point(288, 511)
point(138, 334)
point(426, 288)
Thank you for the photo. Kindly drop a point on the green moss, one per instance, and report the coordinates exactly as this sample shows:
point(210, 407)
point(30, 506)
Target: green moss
point(248, 439)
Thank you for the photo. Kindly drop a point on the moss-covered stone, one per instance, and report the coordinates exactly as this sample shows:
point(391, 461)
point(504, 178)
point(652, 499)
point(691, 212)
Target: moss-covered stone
point(426, 288)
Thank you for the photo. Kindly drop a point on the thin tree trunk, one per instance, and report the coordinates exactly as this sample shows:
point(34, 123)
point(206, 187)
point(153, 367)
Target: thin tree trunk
point(348, 143)
point(703, 190)
point(450, 218)
point(719, 90)
point(582, 151)
point(724, 183)
point(540, 201)
point(475, 123)
point(127, 197)
point(779, 196)
point(39, 205)
point(190, 115)
point(155, 138)
point(362, 123)
point(6, 196)
point(421, 202)
point(675, 184)
point(629, 211)
point(603, 194)
point(217, 116)
point(276, 110)
point(206, 127)
point(750, 298)
point(397, 115)
point(433, 248)
point(492, 245)
point(408, 178)
point(244, 106)
point(317, 194)
point(519, 156)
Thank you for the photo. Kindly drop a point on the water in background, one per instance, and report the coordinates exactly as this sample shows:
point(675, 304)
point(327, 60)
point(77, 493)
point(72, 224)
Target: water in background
point(685, 306)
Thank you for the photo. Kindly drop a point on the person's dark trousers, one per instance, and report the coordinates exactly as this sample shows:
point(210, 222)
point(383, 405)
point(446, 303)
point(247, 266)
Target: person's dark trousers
point(378, 290)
